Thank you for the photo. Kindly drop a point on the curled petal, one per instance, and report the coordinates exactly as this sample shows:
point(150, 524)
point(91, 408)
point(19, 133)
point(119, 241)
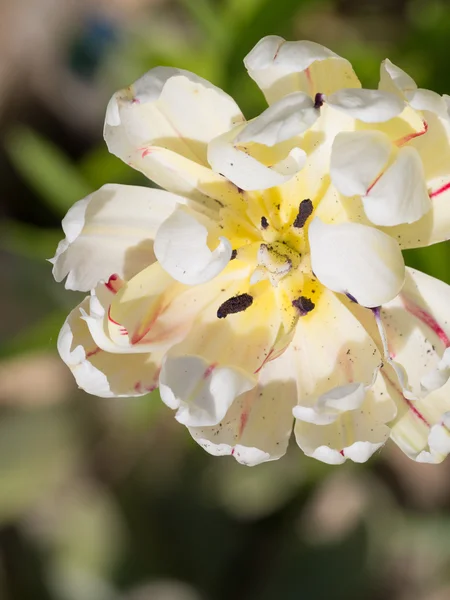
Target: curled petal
point(101, 373)
point(199, 391)
point(355, 259)
point(258, 425)
point(332, 404)
point(357, 159)
point(247, 172)
point(400, 194)
point(111, 232)
point(182, 250)
point(287, 118)
point(395, 80)
point(369, 106)
point(280, 68)
point(438, 377)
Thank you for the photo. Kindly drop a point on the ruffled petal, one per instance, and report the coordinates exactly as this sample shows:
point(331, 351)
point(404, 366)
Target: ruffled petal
point(161, 126)
point(258, 425)
point(231, 338)
point(101, 373)
point(280, 68)
point(173, 109)
point(417, 328)
point(369, 106)
point(111, 232)
point(341, 412)
point(357, 260)
point(182, 250)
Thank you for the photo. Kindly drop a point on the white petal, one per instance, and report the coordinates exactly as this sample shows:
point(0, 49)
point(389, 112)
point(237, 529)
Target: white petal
point(171, 108)
point(247, 172)
point(369, 106)
point(258, 425)
point(400, 194)
point(101, 373)
point(280, 68)
point(357, 158)
point(201, 392)
point(287, 118)
point(111, 232)
point(358, 260)
point(395, 80)
point(182, 250)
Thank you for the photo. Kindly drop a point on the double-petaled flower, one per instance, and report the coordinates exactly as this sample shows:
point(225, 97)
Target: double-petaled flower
point(268, 282)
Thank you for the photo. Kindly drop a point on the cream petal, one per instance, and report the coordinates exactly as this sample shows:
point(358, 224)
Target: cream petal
point(358, 260)
point(369, 106)
point(101, 373)
point(222, 340)
point(200, 392)
point(280, 68)
point(400, 195)
point(182, 250)
point(357, 159)
point(161, 126)
point(258, 425)
point(152, 311)
point(111, 232)
point(335, 363)
point(246, 171)
point(173, 109)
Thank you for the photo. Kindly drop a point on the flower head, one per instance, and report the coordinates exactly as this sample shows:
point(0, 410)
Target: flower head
point(268, 282)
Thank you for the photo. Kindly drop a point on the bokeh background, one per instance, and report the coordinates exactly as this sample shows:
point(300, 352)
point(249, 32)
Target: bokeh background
point(111, 499)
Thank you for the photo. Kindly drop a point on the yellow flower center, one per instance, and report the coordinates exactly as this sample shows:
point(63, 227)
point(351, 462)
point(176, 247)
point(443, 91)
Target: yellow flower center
point(273, 240)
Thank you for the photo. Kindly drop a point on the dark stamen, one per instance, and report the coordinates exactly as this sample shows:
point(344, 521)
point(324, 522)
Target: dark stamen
point(234, 305)
point(304, 305)
point(318, 100)
point(264, 223)
point(304, 212)
point(233, 255)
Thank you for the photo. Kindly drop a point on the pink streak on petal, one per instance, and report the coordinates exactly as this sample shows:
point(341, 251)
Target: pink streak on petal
point(407, 138)
point(410, 404)
point(114, 283)
point(135, 101)
point(209, 370)
point(310, 81)
point(440, 190)
point(145, 152)
point(426, 318)
point(374, 182)
point(341, 452)
point(93, 352)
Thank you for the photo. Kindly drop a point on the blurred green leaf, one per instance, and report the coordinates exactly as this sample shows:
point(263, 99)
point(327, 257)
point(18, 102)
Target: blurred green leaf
point(27, 240)
point(46, 169)
point(207, 16)
point(43, 335)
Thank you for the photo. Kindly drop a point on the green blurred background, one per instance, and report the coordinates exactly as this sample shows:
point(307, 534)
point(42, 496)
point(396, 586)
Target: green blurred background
point(111, 499)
